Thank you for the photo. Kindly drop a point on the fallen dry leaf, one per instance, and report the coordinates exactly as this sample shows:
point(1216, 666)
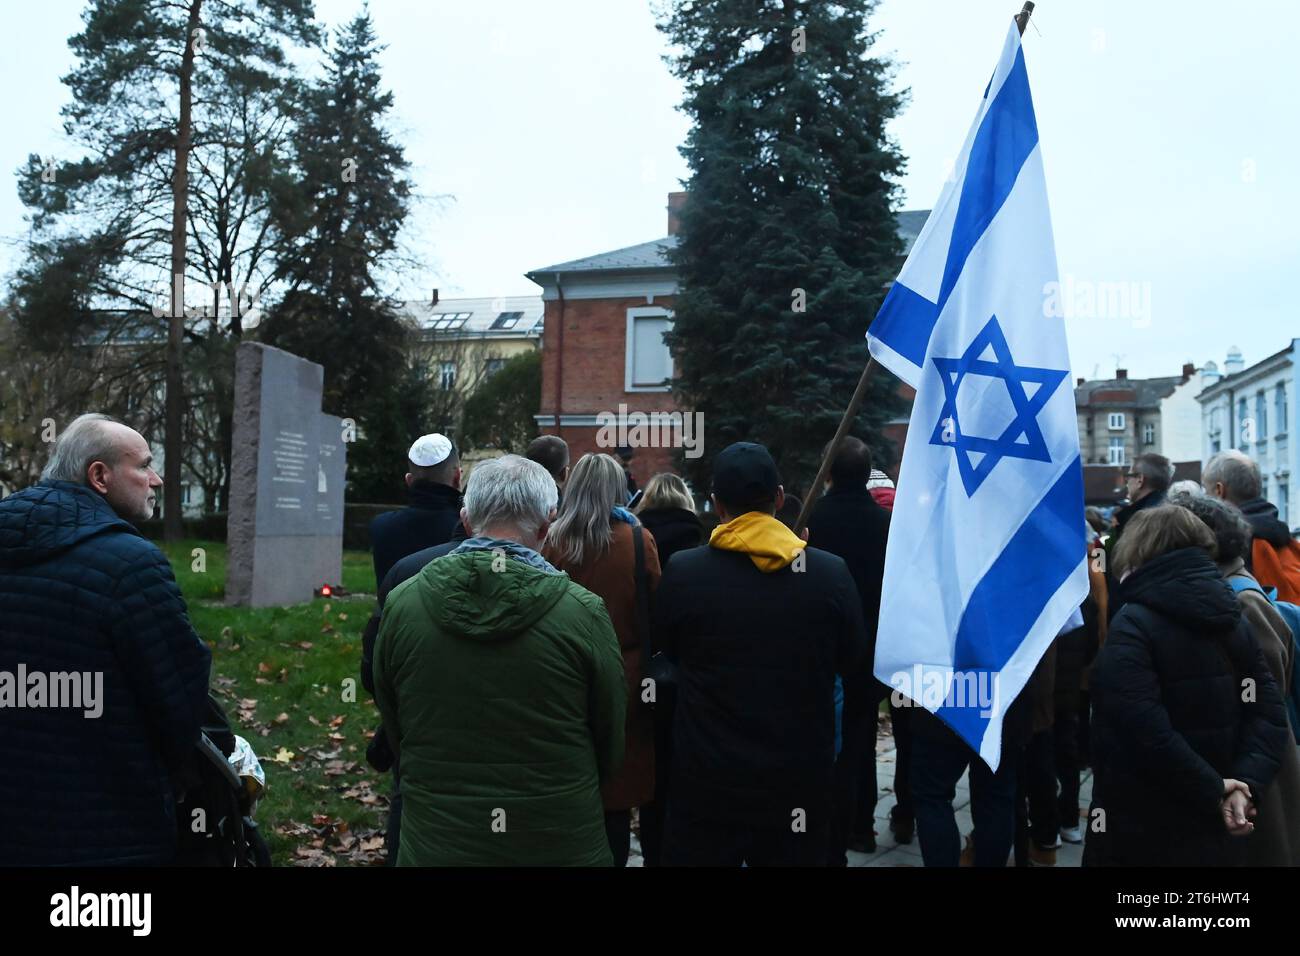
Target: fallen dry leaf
point(281, 718)
point(282, 755)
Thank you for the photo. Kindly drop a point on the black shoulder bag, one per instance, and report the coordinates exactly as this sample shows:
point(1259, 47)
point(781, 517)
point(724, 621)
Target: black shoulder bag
point(657, 667)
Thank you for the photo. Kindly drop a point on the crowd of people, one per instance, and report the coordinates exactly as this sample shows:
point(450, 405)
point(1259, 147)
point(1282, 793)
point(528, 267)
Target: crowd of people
point(563, 661)
point(749, 706)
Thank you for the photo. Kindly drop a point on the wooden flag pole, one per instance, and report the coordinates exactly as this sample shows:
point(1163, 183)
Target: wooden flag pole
point(859, 393)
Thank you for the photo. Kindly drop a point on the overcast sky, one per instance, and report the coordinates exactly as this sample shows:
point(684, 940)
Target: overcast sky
point(1168, 129)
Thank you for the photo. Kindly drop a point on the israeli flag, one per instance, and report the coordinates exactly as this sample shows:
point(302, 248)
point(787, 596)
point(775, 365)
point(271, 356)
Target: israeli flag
point(987, 555)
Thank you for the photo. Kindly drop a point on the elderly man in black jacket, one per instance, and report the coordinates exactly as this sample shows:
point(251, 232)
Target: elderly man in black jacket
point(103, 682)
point(758, 626)
point(847, 522)
point(432, 516)
point(1147, 484)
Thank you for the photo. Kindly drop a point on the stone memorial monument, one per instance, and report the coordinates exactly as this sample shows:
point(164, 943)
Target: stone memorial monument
point(288, 464)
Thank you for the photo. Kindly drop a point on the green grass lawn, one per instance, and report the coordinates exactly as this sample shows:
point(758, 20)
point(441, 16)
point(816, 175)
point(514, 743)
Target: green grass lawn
point(289, 679)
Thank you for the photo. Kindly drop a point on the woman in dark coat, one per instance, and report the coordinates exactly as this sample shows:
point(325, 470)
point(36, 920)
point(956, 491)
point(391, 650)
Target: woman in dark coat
point(667, 510)
point(1188, 725)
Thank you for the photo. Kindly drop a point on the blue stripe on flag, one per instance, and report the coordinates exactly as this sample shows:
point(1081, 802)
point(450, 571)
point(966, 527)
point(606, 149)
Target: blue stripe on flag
point(1044, 551)
point(908, 321)
point(1006, 137)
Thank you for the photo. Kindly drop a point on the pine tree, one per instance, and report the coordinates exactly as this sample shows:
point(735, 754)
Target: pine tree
point(118, 219)
point(342, 208)
point(788, 237)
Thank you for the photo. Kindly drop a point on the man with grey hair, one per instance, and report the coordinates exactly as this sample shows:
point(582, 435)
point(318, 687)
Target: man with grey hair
point(82, 593)
point(1274, 555)
point(500, 683)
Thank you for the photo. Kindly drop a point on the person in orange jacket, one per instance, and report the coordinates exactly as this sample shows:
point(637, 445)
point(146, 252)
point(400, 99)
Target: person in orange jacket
point(1274, 553)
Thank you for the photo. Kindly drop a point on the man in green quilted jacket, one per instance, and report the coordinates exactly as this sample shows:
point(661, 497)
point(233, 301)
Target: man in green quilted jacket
point(500, 682)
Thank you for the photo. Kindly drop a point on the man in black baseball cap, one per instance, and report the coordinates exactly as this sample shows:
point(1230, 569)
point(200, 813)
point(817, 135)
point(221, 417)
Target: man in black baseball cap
point(758, 626)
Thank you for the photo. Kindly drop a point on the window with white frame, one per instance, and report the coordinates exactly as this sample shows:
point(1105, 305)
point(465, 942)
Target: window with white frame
point(1279, 408)
point(1243, 412)
point(447, 321)
point(649, 364)
point(1283, 501)
point(1261, 416)
point(1116, 451)
point(447, 376)
point(1115, 421)
point(1149, 433)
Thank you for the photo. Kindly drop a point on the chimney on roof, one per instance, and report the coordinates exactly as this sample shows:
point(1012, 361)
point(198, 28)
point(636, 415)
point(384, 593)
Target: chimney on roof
point(434, 300)
point(1234, 362)
point(1079, 381)
point(1121, 374)
point(675, 203)
point(1188, 370)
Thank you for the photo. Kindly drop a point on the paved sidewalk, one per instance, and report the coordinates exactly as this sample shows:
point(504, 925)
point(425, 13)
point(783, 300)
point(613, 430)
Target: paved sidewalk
point(888, 851)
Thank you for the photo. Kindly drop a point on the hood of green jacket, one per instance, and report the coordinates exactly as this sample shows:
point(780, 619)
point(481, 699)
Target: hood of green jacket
point(486, 595)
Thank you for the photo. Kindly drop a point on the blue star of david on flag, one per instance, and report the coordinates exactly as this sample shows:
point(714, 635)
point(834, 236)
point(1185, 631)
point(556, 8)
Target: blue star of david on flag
point(1022, 438)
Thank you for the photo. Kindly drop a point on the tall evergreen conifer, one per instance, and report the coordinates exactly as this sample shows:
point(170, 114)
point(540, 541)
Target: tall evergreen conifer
point(788, 238)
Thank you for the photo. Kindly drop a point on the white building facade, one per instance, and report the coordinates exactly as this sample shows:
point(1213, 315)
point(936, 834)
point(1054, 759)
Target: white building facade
point(1253, 409)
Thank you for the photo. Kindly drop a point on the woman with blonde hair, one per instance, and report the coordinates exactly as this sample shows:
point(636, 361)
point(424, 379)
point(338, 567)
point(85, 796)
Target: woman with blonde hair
point(668, 511)
point(1181, 751)
point(595, 539)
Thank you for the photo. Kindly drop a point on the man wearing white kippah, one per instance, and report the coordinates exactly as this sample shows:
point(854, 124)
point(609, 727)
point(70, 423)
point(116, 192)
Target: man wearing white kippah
point(433, 513)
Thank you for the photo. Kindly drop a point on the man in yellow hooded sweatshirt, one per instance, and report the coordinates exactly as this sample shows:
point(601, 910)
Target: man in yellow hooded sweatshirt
point(757, 626)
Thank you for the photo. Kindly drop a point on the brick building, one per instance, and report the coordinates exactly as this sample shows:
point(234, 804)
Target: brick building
point(1121, 418)
point(604, 354)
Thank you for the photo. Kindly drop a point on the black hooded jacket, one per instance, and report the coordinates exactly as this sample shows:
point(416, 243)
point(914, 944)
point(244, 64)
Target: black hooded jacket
point(431, 519)
point(1265, 524)
point(81, 591)
point(1169, 721)
point(674, 529)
